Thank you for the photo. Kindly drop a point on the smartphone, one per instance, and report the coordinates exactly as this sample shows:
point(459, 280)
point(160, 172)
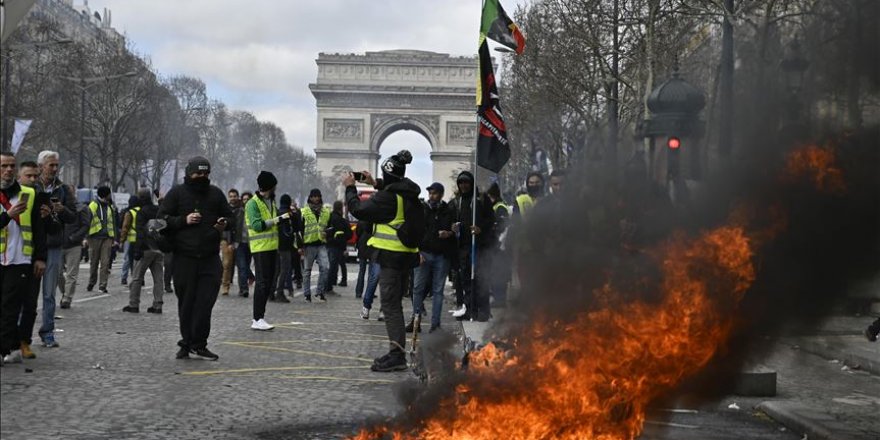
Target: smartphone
point(23, 198)
point(359, 176)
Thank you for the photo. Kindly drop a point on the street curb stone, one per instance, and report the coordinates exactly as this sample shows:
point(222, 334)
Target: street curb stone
point(828, 352)
point(804, 420)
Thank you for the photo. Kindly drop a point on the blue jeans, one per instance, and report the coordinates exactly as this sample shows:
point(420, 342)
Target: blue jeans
point(243, 266)
point(432, 271)
point(363, 267)
point(313, 254)
point(127, 260)
point(50, 285)
point(372, 283)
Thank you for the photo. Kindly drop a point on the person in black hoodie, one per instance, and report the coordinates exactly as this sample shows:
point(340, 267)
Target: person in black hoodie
point(435, 252)
point(399, 226)
point(286, 239)
point(146, 255)
point(74, 235)
point(472, 296)
point(337, 239)
point(196, 213)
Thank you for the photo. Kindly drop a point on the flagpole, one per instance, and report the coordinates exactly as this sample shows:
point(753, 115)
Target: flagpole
point(473, 237)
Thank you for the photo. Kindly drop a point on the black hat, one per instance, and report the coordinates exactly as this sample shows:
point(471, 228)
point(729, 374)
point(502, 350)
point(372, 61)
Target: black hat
point(266, 181)
point(103, 191)
point(315, 192)
point(196, 164)
point(284, 200)
point(465, 176)
point(395, 166)
point(436, 186)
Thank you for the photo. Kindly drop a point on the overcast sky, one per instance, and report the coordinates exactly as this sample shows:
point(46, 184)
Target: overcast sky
point(260, 55)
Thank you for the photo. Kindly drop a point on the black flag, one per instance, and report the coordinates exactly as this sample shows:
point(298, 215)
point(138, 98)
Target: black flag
point(493, 148)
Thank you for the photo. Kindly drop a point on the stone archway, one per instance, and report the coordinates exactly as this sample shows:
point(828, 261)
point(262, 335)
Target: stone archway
point(362, 99)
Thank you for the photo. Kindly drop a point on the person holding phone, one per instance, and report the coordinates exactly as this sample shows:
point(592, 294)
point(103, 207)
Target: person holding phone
point(22, 253)
point(196, 213)
point(262, 225)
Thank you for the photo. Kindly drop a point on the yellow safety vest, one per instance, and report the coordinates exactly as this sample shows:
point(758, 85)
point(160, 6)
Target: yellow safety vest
point(24, 219)
point(313, 227)
point(385, 235)
point(500, 204)
point(132, 232)
point(267, 240)
point(525, 203)
point(96, 222)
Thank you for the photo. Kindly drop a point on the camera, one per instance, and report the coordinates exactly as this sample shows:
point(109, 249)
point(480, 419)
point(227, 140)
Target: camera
point(359, 176)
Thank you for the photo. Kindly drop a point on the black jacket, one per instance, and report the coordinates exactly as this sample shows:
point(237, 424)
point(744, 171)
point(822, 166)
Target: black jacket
point(76, 232)
point(436, 220)
point(364, 232)
point(198, 240)
point(38, 226)
point(381, 207)
point(338, 223)
point(462, 212)
point(56, 236)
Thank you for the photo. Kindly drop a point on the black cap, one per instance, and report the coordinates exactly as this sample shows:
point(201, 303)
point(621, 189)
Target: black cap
point(103, 191)
point(196, 164)
point(284, 200)
point(436, 186)
point(395, 166)
point(315, 192)
point(266, 181)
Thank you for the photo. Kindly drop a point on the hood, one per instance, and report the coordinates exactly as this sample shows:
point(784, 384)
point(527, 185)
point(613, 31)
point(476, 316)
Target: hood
point(404, 187)
point(465, 173)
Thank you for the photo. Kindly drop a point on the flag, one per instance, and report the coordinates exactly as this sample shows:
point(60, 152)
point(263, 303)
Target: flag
point(21, 128)
point(493, 147)
point(497, 26)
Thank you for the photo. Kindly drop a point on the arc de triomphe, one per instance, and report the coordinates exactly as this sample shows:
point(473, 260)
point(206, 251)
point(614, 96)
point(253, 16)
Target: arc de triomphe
point(361, 99)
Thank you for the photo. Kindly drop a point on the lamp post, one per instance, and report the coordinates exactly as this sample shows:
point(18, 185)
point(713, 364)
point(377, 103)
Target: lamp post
point(84, 83)
point(793, 67)
point(7, 80)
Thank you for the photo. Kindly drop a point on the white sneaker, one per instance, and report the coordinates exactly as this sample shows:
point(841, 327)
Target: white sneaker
point(365, 313)
point(13, 358)
point(460, 312)
point(261, 325)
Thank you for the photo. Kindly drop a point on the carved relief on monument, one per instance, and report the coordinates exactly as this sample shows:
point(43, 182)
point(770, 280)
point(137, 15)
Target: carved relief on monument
point(378, 120)
point(461, 133)
point(343, 130)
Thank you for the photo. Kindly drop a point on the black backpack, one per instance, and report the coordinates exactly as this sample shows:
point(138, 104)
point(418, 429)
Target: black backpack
point(412, 230)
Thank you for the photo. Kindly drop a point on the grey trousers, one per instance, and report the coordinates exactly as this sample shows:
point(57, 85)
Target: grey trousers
point(155, 261)
point(99, 252)
point(72, 258)
point(315, 254)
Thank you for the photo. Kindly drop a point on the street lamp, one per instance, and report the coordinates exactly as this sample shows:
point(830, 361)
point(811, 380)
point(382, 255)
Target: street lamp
point(793, 66)
point(7, 83)
point(84, 83)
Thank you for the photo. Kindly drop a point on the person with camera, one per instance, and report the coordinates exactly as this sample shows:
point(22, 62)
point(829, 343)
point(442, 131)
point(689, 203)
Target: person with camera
point(196, 213)
point(146, 255)
point(399, 225)
point(262, 224)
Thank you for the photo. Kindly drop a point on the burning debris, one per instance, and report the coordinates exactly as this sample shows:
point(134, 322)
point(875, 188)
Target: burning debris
point(592, 373)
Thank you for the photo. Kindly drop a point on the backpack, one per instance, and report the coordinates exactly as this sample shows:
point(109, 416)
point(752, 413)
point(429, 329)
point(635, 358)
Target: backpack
point(412, 230)
point(157, 235)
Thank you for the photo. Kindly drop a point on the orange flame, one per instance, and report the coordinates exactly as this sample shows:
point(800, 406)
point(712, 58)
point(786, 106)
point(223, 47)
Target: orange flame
point(819, 165)
point(593, 377)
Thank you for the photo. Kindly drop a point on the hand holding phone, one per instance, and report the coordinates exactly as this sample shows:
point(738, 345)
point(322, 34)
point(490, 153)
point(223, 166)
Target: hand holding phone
point(358, 176)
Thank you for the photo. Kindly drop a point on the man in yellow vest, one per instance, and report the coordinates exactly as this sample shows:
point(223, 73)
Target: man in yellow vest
point(262, 225)
point(22, 253)
point(102, 235)
point(534, 191)
point(399, 225)
point(315, 221)
point(128, 237)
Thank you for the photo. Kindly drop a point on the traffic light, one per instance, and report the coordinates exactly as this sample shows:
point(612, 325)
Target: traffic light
point(673, 143)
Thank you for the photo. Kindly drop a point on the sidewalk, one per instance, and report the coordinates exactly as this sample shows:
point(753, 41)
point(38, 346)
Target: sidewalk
point(841, 399)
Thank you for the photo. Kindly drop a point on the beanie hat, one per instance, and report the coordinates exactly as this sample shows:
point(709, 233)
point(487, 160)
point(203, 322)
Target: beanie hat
point(196, 164)
point(395, 166)
point(103, 191)
point(266, 181)
point(284, 200)
point(315, 192)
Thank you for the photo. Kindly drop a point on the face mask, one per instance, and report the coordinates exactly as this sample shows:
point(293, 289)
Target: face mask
point(534, 191)
point(198, 182)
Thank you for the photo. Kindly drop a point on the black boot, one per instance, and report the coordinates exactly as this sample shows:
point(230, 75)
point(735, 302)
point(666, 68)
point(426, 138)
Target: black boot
point(279, 296)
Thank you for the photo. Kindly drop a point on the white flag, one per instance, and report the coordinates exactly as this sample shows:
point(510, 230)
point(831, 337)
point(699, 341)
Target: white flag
point(21, 128)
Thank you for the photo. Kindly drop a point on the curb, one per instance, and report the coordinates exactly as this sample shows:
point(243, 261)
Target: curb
point(791, 415)
point(831, 353)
